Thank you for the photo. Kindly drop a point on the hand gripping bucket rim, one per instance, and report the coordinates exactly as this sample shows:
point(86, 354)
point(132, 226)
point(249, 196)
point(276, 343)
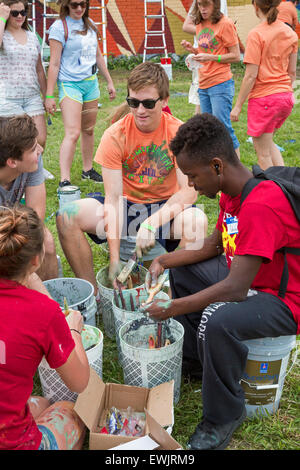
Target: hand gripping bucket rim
point(143, 367)
point(54, 389)
point(265, 372)
point(86, 304)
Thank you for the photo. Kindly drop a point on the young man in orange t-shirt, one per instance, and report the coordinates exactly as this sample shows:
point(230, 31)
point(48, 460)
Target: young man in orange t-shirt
point(146, 195)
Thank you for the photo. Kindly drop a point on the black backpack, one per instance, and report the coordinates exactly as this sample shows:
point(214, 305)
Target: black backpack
point(288, 178)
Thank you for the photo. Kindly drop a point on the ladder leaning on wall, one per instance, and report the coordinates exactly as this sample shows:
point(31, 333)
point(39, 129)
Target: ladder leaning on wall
point(31, 16)
point(160, 31)
point(47, 17)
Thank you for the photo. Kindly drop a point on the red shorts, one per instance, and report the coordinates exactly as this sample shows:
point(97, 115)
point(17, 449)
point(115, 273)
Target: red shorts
point(268, 113)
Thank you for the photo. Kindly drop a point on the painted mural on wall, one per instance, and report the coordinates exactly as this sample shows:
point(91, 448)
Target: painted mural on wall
point(125, 30)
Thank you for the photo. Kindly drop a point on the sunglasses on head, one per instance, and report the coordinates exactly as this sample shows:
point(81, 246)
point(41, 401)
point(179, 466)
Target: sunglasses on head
point(16, 13)
point(75, 5)
point(148, 104)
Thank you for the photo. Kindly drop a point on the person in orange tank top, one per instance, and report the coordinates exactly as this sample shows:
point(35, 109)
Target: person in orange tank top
point(270, 58)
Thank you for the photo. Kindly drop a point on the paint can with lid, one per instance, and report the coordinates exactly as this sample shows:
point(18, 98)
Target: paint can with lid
point(68, 194)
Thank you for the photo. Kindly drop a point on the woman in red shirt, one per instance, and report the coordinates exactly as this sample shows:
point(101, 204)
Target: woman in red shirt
point(32, 326)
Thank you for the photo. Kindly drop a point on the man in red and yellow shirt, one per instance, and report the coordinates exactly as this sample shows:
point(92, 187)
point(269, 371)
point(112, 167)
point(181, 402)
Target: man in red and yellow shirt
point(224, 300)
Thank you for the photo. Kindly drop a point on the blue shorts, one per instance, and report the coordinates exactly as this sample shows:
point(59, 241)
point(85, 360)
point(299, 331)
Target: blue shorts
point(48, 441)
point(134, 214)
point(83, 91)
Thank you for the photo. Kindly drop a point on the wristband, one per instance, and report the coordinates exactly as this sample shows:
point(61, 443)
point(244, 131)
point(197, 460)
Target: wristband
point(72, 329)
point(3, 19)
point(219, 58)
point(148, 227)
point(50, 97)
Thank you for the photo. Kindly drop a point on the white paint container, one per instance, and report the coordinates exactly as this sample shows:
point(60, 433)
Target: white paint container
point(54, 389)
point(68, 194)
point(265, 373)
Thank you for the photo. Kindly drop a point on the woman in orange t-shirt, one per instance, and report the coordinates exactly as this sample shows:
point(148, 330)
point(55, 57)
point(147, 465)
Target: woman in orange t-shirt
point(270, 58)
point(218, 47)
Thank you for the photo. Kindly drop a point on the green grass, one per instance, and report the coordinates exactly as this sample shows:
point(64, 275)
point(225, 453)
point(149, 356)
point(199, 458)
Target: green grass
point(276, 432)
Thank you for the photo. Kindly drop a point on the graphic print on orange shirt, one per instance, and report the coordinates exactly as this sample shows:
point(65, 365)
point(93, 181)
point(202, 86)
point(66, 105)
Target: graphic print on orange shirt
point(150, 164)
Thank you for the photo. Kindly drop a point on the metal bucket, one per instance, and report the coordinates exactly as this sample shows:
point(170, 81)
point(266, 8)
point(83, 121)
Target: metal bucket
point(68, 194)
point(54, 389)
point(122, 316)
point(106, 295)
point(265, 372)
point(79, 294)
point(144, 367)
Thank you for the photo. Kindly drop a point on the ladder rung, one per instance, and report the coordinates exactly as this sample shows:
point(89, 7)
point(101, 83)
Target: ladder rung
point(155, 33)
point(153, 1)
point(50, 15)
point(154, 47)
point(154, 16)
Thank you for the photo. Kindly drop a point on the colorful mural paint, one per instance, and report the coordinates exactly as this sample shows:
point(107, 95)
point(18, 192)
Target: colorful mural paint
point(125, 30)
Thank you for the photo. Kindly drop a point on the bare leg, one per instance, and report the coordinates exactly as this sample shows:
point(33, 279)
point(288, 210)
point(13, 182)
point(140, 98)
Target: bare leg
point(264, 146)
point(42, 130)
point(73, 221)
point(277, 159)
point(237, 151)
point(88, 121)
point(49, 267)
point(71, 114)
point(190, 226)
point(65, 424)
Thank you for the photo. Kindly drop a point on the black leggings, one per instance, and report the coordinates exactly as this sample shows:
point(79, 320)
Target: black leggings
point(215, 335)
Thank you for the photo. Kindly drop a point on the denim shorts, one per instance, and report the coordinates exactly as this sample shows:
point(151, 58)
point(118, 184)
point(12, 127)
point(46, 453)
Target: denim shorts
point(134, 214)
point(33, 106)
point(83, 91)
point(217, 100)
point(48, 441)
point(268, 113)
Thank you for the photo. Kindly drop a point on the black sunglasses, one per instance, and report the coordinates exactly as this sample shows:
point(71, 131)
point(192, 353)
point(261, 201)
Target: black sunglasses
point(148, 104)
point(16, 13)
point(75, 5)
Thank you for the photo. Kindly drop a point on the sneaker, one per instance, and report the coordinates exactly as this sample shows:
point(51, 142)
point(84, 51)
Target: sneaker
point(64, 183)
point(191, 369)
point(92, 175)
point(209, 436)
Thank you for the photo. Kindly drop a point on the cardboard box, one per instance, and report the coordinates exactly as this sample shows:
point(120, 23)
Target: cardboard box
point(96, 400)
point(156, 439)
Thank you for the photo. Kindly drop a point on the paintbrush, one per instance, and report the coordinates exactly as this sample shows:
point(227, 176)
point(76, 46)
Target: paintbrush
point(66, 307)
point(152, 291)
point(122, 277)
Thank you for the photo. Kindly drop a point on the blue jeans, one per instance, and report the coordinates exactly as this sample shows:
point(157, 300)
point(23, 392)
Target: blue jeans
point(217, 100)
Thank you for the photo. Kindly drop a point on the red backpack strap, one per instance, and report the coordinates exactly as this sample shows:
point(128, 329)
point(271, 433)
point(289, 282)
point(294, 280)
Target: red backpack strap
point(65, 28)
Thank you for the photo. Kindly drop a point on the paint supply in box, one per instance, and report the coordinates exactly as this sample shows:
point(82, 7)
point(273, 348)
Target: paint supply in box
point(265, 373)
point(67, 194)
point(133, 300)
point(144, 367)
point(54, 389)
point(79, 294)
point(106, 293)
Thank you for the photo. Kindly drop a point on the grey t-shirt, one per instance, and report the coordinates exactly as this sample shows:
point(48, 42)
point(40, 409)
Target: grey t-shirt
point(16, 191)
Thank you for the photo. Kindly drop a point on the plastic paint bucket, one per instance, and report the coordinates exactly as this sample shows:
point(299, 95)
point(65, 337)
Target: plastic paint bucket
point(122, 316)
point(68, 194)
point(54, 389)
point(106, 295)
point(144, 367)
point(265, 372)
point(79, 294)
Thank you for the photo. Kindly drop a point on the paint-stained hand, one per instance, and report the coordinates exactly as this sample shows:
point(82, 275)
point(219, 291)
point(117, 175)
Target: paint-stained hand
point(160, 309)
point(145, 241)
point(75, 320)
point(155, 270)
point(114, 270)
